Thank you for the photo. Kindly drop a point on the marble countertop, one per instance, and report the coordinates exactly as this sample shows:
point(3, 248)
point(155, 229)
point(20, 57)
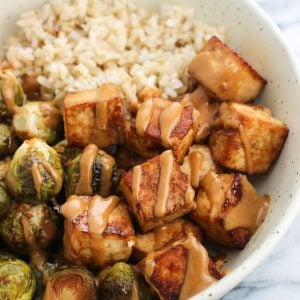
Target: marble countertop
point(278, 277)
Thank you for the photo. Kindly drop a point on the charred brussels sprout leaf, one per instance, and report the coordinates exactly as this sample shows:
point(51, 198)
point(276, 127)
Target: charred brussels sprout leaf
point(26, 227)
point(17, 280)
point(35, 174)
point(122, 281)
point(66, 153)
point(4, 201)
point(38, 120)
point(74, 283)
point(11, 94)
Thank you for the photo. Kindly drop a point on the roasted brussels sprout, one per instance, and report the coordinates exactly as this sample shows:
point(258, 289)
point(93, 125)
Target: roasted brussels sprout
point(38, 120)
point(4, 201)
point(90, 173)
point(8, 141)
point(75, 283)
point(35, 174)
point(122, 281)
point(66, 153)
point(17, 280)
point(40, 287)
point(11, 94)
point(4, 168)
point(28, 228)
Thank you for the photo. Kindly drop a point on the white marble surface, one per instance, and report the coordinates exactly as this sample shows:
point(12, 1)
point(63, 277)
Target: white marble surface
point(279, 276)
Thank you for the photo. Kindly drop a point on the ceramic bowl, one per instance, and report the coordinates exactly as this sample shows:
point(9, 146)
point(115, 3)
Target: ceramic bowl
point(252, 34)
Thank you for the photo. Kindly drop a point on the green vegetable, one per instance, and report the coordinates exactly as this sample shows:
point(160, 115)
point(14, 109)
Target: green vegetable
point(4, 168)
point(66, 153)
point(16, 280)
point(75, 283)
point(40, 287)
point(4, 201)
point(35, 174)
point(9, 86)
point(38, 120)
point(122, 281)
point(103, 173)
point(8, 141)
point(27, 228)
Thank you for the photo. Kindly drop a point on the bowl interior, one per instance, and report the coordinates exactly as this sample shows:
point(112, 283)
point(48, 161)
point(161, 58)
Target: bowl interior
point(257, 39)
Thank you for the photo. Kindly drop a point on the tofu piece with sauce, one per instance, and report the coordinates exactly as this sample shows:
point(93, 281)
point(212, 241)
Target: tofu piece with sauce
point(168, 124)
point(157, 191)
point(229, 209)
point(226, 75)
point(98, 231)
point(95, 116)
point(248, 139)
point(180, 270)
point(164, 235)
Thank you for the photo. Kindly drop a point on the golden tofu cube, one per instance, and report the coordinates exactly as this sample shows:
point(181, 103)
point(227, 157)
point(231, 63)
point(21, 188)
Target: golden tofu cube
point(95, 116)
point(197, 164)
point(157, 191)
point(225, 74)
point(98, 231)
point(164, 235)
point(168, 124)
point(180, 270)
point(249, 139)
point(229, 209)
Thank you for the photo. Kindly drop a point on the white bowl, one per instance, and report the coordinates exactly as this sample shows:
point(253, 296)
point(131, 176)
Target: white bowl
point(256, 38)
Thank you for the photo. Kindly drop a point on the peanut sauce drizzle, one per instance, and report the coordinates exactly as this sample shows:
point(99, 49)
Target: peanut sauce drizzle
point(143, 117)
point(166, 161)
point(247, 149)
point(168, 120)
point(197, 277)
point(101, 115)
point(107, 168)
point(84, 185)
point(136, 182)
point(73, 208)
point(196, 160)
point(55, 176)
point(8, 92)
point(249, 212)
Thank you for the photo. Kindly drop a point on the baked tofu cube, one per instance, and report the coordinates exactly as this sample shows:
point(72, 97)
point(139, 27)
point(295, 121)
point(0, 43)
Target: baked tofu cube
point(248, 139)
point(157, 191)
point(169, 124)
point(197, 164)
point(95, 116)
point(164, 235)
point(225, 74)
point(229, 209)
point(207, 107)
point(98, 231)
point(179, 271)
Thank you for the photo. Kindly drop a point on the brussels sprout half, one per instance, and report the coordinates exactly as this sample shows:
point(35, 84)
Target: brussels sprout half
point(35, 174)
point(11, 94)
point(122, 281)
point(17, 280)
point(66, 153)
point(27, 228)
point(75, 283)
point(38, 120)
point(4, 201)
point(8, 141)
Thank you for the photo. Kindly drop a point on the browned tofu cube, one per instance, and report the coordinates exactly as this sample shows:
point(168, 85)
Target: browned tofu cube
point(98, 231)
point(197, 164)
point(95, 116)
point(248, 140)
point(157, 191)
point(229, 209)
point(164, 235)
point(169, 124)
point(179, 271)
point(225, 74)
point(207, 107)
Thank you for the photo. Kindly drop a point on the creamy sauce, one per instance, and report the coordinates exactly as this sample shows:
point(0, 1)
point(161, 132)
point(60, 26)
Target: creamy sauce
point(249, 212)
point(84, 185)
point(143, 117)
point(101, 115)
point(196, 161)
point(50, 114)
point(73, 208)
point(8, 92)
point(55, 176)
point(166, 162)
point(136, 182)
point(107, 167)
point(247, 149)
point(99, 211)
point(37, 179)
point(197, 277)
point(168, 120)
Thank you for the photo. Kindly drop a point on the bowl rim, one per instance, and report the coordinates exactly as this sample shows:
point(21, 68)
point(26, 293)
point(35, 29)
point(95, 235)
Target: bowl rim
point(231, 280)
